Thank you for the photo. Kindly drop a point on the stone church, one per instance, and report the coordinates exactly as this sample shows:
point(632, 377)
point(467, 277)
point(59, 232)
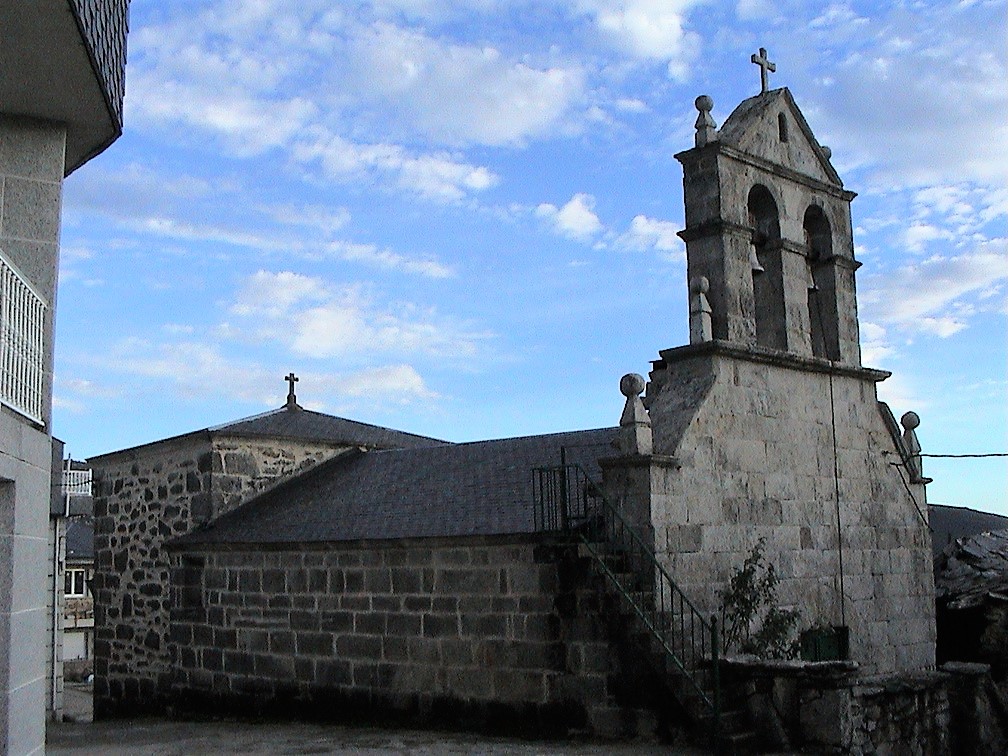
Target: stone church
point(301, 563)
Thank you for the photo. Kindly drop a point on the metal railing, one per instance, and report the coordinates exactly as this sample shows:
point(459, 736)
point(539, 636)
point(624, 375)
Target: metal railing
point(567, 500)
point(22, 344)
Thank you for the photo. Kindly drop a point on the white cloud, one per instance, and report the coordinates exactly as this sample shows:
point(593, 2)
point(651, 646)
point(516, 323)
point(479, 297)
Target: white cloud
point(323, 219)
point(576, 219)
point(918, 98)
point(750, 10)
point(632, 105)
point(940, 294)
point(311, 318)
point(385, 258)
point(457, 94)
point(437, 176)
point(917, 235)
point(648, 29)
point(198, 371)
point(649, 233)
point(875, 348)
point(272, 295)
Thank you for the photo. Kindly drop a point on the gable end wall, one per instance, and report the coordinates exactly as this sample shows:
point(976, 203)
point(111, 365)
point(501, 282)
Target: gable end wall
point(757, 461)
point(142, 500)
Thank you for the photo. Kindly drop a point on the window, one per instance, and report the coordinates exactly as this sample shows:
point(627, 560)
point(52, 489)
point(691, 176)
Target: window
point(782, 127)
point(190, 584)
point(75, 583)
point(22, 343)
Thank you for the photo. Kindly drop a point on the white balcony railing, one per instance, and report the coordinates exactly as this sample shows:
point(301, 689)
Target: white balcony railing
point(22, 344)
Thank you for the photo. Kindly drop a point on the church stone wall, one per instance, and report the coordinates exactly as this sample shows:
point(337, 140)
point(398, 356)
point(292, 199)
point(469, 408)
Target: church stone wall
point(756, 460)
point(143, 498)
point(487, 633)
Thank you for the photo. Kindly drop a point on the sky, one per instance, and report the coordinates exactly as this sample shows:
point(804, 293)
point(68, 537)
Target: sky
point(459, 218)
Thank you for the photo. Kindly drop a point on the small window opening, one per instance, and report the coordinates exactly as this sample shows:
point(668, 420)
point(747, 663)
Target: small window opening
point(782, 127)
point(75, 583)
point(191, 583)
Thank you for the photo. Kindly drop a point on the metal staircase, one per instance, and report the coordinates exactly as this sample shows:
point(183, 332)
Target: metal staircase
point(669, 627)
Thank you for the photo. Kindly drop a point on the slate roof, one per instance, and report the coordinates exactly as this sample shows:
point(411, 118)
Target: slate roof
point(973, 569)
point(306, 424)
point(296, 424)
point(80, 539)
point(478, 488)
point(952, 523)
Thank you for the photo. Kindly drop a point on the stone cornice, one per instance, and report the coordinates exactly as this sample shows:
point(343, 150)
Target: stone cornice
point(720, 148)
point(765, 356)
point(640, 460)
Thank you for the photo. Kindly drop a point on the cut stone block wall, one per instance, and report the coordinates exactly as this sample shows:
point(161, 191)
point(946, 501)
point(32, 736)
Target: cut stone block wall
point(753, 439)
point(143, 498)
point(483, 632)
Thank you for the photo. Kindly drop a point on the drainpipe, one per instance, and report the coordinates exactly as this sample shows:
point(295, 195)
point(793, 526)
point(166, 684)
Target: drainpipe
point(58, 578)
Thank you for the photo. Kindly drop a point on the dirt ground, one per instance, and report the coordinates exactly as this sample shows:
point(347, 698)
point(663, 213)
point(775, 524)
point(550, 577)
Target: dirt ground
point(161, 737)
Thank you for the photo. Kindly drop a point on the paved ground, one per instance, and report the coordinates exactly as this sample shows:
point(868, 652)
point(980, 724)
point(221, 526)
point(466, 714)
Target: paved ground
point(159, 737)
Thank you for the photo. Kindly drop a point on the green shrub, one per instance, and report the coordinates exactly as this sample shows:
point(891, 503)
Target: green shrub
point(751, 620)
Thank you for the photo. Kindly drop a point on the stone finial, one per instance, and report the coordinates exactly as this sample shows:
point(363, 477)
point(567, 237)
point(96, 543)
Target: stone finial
point(826, 151)
point(291, 398)
point(699, 311)
point(910, 421)
point(635, 423)
point(706, 129)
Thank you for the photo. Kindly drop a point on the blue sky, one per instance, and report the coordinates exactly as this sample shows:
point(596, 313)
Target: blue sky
point(459, 219)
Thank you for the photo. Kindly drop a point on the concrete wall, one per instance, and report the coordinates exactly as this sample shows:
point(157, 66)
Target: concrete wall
point(143, 498)
point(484, 633)
point(755, 452)
point(31, 172)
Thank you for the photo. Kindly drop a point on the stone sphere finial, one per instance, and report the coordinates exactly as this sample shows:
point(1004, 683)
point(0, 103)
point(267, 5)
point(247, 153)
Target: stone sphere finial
point(826, 151)
point(704, 103)
point(910, 420)
point(631, 385)
point(699, 285)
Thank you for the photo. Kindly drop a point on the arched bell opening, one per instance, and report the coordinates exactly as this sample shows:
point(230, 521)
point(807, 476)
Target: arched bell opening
point(767, 276)
point(822, 297)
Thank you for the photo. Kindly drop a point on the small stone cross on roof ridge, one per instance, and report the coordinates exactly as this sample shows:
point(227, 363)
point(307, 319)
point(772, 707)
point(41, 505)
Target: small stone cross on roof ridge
point(765, 65)
point(291, 398)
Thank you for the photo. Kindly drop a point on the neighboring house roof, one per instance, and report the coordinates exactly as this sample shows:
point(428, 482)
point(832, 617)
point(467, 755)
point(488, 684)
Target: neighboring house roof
point(973, 569)
point(81, 505)
point(80, 539)
point(296, 424)
point(951, 523)
point(478, 488)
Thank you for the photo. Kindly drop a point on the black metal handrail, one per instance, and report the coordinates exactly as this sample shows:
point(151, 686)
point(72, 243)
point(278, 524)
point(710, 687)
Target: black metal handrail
point(567, 500)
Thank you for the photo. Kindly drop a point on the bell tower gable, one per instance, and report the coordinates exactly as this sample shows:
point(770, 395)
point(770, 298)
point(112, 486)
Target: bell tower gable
point(770, 126)
point(768, 227)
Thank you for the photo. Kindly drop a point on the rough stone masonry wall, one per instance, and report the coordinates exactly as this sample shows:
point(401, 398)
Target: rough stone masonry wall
point(144, 498)
point(448, 631)
point(757, 461)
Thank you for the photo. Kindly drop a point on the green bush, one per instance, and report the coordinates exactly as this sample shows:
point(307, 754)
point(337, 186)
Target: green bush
point(751, 620)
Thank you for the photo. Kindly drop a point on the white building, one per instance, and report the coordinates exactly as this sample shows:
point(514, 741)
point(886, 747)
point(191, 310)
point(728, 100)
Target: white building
point(63, 64)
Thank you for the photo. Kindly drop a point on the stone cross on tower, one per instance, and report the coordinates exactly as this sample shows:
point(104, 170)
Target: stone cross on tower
point(765, 65)
point(291, 399)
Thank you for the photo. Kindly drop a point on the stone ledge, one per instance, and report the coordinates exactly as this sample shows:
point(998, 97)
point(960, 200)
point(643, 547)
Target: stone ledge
point(640, 460)
point(720, 348)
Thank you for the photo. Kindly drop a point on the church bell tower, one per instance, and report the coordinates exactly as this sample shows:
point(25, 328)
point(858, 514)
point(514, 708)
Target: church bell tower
point(768, 226)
